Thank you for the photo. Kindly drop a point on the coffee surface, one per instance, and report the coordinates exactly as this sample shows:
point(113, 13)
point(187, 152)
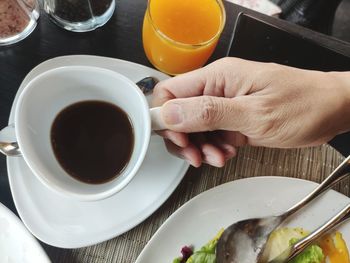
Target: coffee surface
point(92, 140)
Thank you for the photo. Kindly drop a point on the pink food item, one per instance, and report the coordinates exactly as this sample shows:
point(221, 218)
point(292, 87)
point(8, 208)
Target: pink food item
point(186, 252)
point(13, 18)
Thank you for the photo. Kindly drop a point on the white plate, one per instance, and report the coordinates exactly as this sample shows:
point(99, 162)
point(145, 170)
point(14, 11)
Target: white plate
point(199, 220)
point(16, 243)
point(71, 224)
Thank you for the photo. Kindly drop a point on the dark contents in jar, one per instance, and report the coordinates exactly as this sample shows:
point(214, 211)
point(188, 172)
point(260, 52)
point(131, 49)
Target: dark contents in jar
point(81, 10)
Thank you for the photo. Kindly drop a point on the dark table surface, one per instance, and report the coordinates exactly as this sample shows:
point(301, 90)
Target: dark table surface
point(119, 38)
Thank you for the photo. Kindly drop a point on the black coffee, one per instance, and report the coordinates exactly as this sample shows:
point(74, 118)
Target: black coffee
point(92, 140)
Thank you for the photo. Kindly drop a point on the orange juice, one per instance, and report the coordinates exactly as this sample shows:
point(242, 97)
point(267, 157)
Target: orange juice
point(180, 35)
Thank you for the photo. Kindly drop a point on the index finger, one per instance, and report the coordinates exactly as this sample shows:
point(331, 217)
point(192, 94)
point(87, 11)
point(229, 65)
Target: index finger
point(182, 86)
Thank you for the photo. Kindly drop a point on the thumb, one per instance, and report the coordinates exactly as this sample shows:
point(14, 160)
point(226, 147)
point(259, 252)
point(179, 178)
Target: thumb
point(203, 113)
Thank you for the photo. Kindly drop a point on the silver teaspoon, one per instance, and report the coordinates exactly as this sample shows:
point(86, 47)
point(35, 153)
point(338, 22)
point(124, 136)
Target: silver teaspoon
point(244, 241)
point(147, 84)
point(11, 148)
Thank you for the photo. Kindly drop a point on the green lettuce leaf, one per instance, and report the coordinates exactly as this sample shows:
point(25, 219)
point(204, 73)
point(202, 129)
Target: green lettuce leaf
point(207, 253)
point(177, 260)
point(312, 254)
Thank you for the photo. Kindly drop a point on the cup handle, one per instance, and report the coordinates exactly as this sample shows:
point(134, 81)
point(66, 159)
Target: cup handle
point(8, 141)
point(157, 123)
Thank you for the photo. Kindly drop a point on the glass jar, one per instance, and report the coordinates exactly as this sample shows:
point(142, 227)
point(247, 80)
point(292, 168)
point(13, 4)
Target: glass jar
point(18, 18)
point(80, 15)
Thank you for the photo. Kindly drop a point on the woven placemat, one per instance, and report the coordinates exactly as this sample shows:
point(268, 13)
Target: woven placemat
point(312, 164)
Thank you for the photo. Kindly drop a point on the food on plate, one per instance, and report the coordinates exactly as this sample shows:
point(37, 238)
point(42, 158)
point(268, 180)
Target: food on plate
point(204, 255)
point(331, 248)
point(280, 239)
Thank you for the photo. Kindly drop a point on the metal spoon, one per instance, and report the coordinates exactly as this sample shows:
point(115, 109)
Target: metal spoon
point(8, 144)
point(11, 148)
point(244, 241)
point(297, 248)
point(147, 84)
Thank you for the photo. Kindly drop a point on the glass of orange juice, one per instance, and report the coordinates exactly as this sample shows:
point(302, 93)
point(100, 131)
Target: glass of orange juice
point(180, 35)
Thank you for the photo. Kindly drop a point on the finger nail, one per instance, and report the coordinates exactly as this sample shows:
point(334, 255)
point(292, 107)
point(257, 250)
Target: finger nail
point(229, 150)
point(172, 114)
point(213, 160)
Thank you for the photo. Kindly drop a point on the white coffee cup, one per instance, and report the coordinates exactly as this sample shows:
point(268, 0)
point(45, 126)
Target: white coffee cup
point(52, 91)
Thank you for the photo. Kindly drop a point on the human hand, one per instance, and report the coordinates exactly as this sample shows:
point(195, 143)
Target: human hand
point(232, 102)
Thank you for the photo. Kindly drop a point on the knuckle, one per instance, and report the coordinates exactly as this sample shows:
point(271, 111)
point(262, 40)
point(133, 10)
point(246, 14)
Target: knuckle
point(158, 89)
point(264, 73)
point(224, 61)
point(210, 112)
point(161, 94)
point(220, 64)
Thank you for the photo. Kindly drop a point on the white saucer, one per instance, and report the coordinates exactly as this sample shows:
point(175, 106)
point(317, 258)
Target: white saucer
point(16, 243)
point(64, 223)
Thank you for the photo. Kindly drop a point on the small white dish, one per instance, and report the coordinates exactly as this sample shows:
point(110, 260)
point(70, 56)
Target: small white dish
point(16, 243)
point(66, 223)
point(200, 219)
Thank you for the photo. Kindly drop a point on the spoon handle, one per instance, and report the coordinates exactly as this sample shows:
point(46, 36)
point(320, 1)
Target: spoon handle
point(338, 174)
point(10, 148)
point(298, 247)
point(8, 141)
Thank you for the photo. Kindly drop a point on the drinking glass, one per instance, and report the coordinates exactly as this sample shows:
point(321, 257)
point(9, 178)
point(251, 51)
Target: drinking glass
point(18, 18)
point(80, 15)
point(179, 36)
